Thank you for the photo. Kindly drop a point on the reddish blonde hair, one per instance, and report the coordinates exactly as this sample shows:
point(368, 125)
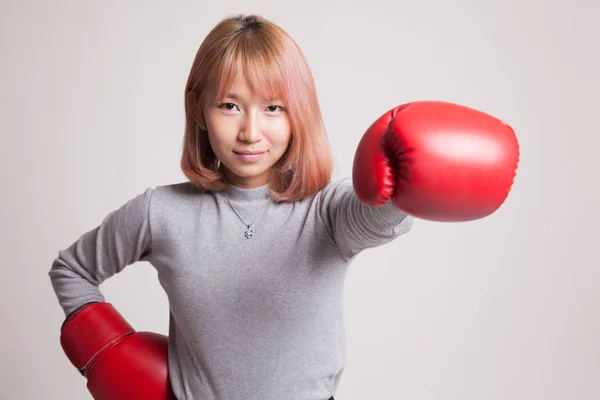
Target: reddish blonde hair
point(274, 66)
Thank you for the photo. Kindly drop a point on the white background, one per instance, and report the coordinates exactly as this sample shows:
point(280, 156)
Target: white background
point(91, 103)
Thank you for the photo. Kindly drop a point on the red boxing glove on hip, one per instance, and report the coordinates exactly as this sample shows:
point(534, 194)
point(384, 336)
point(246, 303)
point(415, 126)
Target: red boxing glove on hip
point(118, 362)
point(437, 161)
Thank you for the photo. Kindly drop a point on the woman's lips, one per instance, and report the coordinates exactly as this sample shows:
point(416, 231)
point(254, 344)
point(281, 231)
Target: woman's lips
point(250, 156)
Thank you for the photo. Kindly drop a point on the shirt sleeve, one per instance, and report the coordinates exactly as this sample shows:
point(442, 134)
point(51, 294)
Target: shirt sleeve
point(355, 226)
point(122, 238)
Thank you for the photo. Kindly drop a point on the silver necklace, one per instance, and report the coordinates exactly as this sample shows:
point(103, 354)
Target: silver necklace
point(248, 232)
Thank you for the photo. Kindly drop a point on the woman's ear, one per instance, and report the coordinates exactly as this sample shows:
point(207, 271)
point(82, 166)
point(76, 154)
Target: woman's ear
point(202, 122)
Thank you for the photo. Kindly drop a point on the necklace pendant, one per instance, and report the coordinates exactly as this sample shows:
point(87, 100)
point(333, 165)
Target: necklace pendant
point(248, 233)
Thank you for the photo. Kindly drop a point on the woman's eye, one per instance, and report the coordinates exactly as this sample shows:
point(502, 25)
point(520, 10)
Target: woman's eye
point(274, 108)
point(227, 106)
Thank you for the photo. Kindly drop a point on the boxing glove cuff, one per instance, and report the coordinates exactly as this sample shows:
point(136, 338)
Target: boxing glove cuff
point(90, 330)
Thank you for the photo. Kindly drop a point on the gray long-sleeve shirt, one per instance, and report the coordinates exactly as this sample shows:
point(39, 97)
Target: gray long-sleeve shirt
point(250, 319)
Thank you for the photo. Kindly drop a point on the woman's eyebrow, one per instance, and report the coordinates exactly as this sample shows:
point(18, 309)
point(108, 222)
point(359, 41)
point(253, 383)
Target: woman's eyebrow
point(233, 96)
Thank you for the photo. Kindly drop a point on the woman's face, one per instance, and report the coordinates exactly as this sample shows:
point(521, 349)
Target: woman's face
point(248, 134)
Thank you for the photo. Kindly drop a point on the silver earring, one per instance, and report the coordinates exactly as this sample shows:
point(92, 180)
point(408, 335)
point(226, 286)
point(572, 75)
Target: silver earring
point(218, 163)
point(203, 127)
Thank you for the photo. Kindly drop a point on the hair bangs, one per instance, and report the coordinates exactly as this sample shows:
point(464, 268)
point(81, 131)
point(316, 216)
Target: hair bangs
point(258, 64)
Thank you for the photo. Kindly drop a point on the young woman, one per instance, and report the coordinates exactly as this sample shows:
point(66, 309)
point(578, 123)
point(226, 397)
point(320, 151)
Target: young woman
point(253, 250)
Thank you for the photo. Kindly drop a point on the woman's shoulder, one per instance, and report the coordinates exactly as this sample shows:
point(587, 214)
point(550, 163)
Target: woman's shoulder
point(177, 194)
point(336, 187)
point(344, 182)
point(185, 188)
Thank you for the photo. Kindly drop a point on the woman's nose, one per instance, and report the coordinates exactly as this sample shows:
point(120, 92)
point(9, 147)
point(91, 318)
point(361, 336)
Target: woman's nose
point(251, 130)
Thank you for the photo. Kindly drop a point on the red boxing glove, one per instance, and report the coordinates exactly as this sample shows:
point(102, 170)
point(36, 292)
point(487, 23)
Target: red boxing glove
point(436, 161)
point(118, 362)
